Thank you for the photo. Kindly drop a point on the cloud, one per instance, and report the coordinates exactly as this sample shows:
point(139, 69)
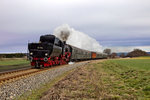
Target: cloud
point(111, 22)
point(14, 49)
point(126, 42)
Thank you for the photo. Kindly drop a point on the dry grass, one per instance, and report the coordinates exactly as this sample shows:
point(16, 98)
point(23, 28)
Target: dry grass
point(83, 84)
point(147, 57)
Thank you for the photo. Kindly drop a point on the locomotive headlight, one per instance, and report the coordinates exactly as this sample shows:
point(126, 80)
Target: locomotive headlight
point(31, 53)
point(46, 54)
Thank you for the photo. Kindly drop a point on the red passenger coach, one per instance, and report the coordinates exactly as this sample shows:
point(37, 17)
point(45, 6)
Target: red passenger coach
point(93, 55)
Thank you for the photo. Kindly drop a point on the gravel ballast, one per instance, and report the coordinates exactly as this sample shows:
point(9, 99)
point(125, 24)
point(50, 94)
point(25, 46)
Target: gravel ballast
point(12, 90)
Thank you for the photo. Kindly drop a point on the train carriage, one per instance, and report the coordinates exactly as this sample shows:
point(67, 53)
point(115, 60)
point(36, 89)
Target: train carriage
point(79, 54)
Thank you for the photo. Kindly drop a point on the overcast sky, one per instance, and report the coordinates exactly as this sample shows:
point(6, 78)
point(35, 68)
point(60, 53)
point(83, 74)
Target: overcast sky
point(118, 24)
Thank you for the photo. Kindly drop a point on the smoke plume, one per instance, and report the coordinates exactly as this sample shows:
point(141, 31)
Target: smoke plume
point(62, 32)
point(76, 38)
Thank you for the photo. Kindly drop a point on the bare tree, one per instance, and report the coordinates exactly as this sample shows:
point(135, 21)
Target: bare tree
point(107, 51)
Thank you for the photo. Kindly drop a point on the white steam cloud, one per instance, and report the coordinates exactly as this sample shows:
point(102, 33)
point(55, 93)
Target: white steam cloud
point(76, 38)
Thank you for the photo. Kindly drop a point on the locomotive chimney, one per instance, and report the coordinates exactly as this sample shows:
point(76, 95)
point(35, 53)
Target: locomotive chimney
point(64, 42)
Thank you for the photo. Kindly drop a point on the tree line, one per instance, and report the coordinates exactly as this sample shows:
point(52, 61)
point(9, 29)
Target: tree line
point(13, 55)
point(134, 53)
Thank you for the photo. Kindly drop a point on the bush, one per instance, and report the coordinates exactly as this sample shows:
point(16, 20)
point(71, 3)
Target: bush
point(137, 53)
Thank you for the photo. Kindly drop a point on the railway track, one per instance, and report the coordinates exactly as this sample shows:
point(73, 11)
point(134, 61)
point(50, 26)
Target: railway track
point(13, 71)
point(11, 76)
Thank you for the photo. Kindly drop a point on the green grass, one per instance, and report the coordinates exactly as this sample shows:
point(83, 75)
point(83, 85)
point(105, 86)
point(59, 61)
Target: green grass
point(126, 78)
point(13, 62)
point(10, 64)
point(143, 57)
point(140, 64)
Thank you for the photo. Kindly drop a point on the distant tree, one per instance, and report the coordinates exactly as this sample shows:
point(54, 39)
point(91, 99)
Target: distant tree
point(107, 51)
point(2, 56)
point(113, 55)
point(122, 55)
point(137, 53)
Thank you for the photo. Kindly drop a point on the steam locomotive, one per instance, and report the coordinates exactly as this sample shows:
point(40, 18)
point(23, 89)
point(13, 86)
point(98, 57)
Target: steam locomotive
point(52, 51)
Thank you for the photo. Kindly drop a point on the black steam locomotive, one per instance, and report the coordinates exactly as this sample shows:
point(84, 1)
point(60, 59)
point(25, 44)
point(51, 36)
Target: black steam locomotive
point(52, 51)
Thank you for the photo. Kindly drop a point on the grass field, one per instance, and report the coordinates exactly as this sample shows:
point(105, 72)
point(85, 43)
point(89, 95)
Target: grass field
point(7, 62)
point(126, 78)
point(139, 64)
point(13, 63)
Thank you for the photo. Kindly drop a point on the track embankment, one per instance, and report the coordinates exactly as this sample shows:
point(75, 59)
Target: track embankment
point(16, 88)
point(81, 84)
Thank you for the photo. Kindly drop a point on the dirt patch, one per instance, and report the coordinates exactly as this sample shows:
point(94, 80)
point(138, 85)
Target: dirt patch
point(82, 83)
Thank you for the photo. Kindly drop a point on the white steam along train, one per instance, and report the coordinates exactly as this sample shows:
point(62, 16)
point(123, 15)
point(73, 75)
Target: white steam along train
point(52, 51)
